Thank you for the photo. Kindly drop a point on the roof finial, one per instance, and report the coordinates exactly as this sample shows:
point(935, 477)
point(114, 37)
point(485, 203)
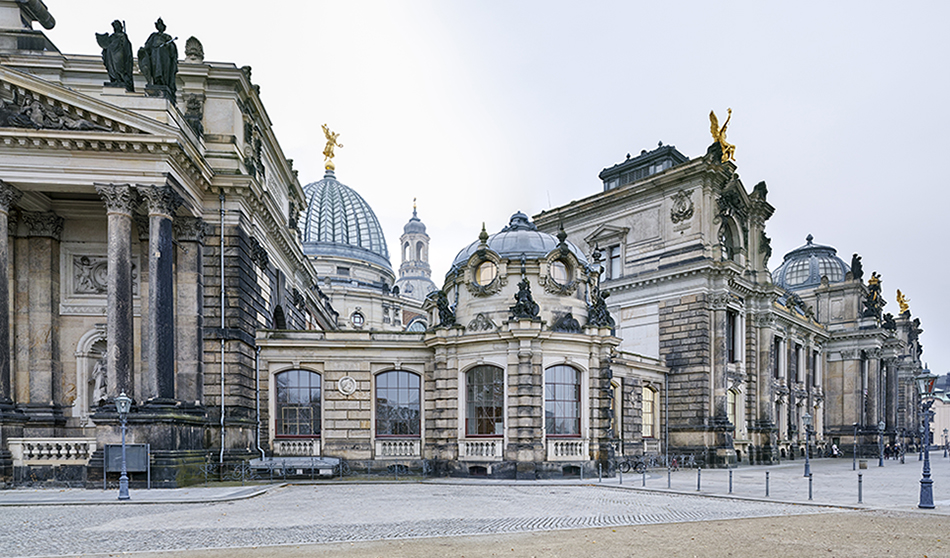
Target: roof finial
point(483, 236)
point(328, 150)
point(809, 238)
point(413, 207)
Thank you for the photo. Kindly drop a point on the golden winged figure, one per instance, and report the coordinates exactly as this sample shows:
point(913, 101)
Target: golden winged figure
point(903, 301)
point(719, 134)
point(331, 143)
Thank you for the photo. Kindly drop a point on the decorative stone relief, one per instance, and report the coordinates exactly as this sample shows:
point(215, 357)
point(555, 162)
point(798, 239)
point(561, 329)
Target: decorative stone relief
point(27, 111)
point(718, 301)
point(682, 209)
point(189, 229)
point(46, 224)
point(9, 196)
point(194, 51)
point(481, 323)
point(119, 198)
point(194, 111)
point(90, 275)
point(259, 254)
point(565, 322)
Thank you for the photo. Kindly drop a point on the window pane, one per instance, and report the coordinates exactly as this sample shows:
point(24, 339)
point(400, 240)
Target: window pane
point(562, 401)
point(397, 404)
point(485, 400)
point(298, 403)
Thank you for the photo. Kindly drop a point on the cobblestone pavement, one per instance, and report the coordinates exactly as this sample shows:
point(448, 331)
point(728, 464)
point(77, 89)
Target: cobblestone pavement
point(300, 514)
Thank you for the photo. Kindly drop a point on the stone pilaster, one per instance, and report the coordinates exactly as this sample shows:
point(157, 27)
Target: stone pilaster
point(162, 202)
point(44, 231)
point(190, 233)
point(145, 383)
point(119, 199)
point(525, 399)
point(8, 198)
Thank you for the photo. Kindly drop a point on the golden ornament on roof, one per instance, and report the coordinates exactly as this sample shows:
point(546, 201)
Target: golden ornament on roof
point(902, 301)
point(719, 134)
point(328, 150)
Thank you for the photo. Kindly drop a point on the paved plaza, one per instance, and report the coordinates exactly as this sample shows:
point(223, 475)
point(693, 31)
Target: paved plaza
point(69, 522)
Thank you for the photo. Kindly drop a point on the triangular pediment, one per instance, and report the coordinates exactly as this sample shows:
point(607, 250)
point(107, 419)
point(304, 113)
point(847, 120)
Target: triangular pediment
point(29, 102)
point(605, 234)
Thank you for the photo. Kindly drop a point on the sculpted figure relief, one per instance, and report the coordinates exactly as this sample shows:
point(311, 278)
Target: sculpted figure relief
point(117, 56)
point(158, 60)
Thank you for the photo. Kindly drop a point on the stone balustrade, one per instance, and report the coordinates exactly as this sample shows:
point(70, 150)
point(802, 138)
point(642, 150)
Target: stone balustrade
point(297, 448)
point(571, 449)
point(480, 450)
point(51, 451)
point(398, 448)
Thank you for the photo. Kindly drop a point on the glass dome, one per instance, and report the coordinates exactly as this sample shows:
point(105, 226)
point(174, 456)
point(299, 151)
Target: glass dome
point(804, 267)
point(339, 222)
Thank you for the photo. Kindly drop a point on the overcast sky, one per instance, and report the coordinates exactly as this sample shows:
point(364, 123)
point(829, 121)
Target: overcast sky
point(483, 108)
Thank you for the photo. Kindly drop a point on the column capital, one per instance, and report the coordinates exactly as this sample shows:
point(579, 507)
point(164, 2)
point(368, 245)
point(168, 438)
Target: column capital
point(189, 229)
point(119, 198)
point(8, 196)
point(161, 200)
point(45, 224)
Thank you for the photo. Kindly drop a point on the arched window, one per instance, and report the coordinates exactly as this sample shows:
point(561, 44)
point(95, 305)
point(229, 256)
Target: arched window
point(485, 401)
point(650, 400)
point(298, 403)
point(559, 272)
point(420, 252)
point(727, 241)
point(562, 401)
point(405, 252)
point(397, 404)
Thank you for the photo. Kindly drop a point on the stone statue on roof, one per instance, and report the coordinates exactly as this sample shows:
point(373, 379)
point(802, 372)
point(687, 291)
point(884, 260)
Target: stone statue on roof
point(158, 60)
point(117, 56)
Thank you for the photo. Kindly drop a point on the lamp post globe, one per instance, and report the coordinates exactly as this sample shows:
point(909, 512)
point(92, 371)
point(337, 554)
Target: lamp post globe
point(806, 421)
point(880, 443)
point(123, 404)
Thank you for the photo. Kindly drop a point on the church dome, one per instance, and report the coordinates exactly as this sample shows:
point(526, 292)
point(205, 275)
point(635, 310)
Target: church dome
point(804, 267)
point(415, 225)
point(520, 238)
point(338, 222)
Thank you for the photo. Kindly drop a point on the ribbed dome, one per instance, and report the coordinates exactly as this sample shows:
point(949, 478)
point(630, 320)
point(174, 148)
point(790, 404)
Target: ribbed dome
point(521, 236)
point(339, 222)
point(804, 267)
point(415, 225)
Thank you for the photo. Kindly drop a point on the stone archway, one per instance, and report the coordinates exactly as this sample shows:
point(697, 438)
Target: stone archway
point(91, 374)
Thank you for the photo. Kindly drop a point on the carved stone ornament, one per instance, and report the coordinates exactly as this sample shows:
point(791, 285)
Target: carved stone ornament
point(481, 323)
point(259, 254)
point(9, 196)
point(486, 290)
point(194, 51)
point(297, 300)
point(161, 200)
point(194, 112)
point(682, 209)
point(765, 320)
point(446, 313)
point(189, 229)
point(525, 306)
point(45, 224)
point(119, 198)
point(29, 111)
point(565, 322)
point(597, 313)
point(90, 275)
point(346, 385)
point(719, 301)
point(849, 354)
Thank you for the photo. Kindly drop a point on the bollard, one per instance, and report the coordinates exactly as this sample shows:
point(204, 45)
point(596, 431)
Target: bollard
point(860, 495)
point(669, 473)
point(699, 478)
point(582, 472)
point(730, 481)
point(644, 478)
point(396, 471)
point(600, 472)
point(766, 484)
point(620, 474)
point(809, 487)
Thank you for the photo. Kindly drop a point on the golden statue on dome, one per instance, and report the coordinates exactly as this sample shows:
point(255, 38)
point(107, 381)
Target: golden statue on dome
point(328, 150)
point(719, 135)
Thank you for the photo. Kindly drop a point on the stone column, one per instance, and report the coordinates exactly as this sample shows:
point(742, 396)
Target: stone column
point(162, 202)
point(8, 198)
point(190, 233)
point(119, 199)
point(146, 383)
point(44, 231)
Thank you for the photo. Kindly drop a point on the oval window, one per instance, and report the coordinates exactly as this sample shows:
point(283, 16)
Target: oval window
point(485, 273)
point(559, 272)
point(358, 319)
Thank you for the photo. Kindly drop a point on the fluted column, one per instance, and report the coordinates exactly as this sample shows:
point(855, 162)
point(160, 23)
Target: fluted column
point(119, 199)
point(190, 232)
point(8, 198)
point(162, 202)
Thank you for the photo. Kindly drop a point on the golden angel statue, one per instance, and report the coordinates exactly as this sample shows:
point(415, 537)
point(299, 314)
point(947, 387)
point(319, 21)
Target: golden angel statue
point(331, 143)
point(719, 134)
point(903, 301)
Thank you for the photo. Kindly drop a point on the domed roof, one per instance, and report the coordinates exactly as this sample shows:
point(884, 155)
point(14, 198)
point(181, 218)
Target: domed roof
point(804, 267)
point(520, 237)
point(415, 225)
point(339, 222)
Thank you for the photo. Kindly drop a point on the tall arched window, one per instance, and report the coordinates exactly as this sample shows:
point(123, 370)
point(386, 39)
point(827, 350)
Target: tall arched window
point(420, 252)
point(298, 403)
point(562, 401)
point(650, 400)
point(731, 406)
point(485, 401)
point(398, 410)
point(727, 241)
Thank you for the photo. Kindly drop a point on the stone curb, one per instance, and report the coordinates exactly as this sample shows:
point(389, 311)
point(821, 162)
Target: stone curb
point(250, 492)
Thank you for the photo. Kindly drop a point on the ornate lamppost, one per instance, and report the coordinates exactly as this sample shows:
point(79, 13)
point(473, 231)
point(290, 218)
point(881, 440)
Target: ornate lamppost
point(122, 404)
point(880, 443)
point(806, 421)
point(945, 432)
point(854, 449)
point(925, 387)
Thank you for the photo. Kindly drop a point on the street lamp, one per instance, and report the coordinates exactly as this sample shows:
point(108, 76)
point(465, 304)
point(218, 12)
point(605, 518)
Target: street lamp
point(122, 404)
point(806, 421)
point(945, 432)
point(925, 387)
point(880, 443)
point(854, 449)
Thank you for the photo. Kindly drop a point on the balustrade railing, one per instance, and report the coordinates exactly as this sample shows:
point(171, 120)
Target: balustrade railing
point(398, 448)
point(51, 451)
point(297, 448)
point(567, 450)
point(484, 450)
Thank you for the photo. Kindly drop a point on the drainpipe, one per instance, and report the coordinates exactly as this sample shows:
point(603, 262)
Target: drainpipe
point(221, 199)
point(257, 371)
